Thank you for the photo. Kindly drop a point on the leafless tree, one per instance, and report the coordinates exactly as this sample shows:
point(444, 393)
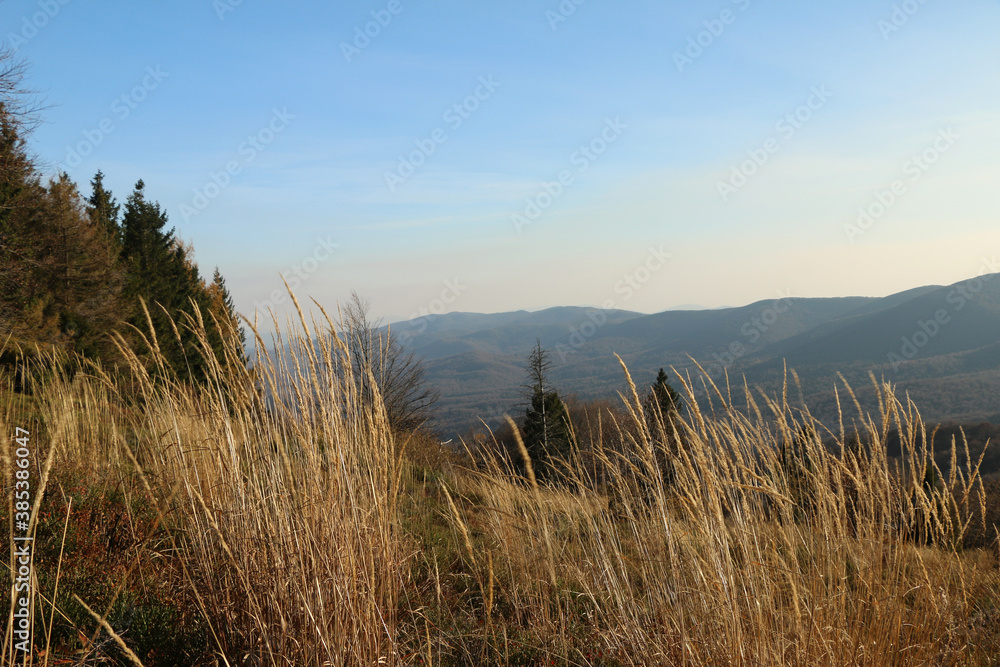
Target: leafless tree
point(381, 363)
point(19, 105)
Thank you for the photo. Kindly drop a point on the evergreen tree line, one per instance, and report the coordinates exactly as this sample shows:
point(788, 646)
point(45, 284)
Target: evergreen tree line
point(74, 269)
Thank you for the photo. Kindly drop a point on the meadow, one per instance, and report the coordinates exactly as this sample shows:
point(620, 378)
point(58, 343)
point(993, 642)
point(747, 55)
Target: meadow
point(270, 516)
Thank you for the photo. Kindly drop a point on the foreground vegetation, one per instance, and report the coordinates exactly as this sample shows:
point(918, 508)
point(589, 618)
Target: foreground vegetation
point(271, 516)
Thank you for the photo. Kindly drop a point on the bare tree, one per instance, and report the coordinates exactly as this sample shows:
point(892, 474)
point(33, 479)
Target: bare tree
point(18, 103)
point(381, 363)
point(17, 118)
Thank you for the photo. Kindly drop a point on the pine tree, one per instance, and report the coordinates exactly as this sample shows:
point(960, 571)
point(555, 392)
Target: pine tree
point(145, 245)
point(546, 428)
point(20, 195)
point(161, 272)
point(662, 410)
point(222, 306)
point(84, 275)
point(665, 397)
point(104, 210)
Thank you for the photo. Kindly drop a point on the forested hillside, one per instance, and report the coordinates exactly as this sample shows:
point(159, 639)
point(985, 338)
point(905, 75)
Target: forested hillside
point(78, 269)
point(938, 344)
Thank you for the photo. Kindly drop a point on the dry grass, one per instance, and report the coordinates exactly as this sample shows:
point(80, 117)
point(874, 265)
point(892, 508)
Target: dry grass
point(279, 488)
point(278, 519)
point(748, 556)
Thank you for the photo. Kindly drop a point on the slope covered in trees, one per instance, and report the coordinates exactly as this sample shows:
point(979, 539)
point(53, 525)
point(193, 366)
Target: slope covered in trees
point(939, 344)
point(75, 270)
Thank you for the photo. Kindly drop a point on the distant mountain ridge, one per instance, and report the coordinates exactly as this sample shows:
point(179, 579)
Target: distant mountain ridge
point(941, 344)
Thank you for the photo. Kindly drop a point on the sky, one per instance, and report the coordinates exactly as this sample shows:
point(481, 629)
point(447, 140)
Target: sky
point(491, 156)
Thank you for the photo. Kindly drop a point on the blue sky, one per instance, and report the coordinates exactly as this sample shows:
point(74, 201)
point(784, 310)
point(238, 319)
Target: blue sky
point(741, 138)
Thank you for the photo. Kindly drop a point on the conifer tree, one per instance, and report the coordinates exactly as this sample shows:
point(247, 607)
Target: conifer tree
point(64, 284)
point(59, 282)
point(103, 209)
point(20, 194)
point(162, 273)
point(145, 244)
point(83, 273)
point(224, 309)
point(546, 422)
point(664, 396)
point(662, 409)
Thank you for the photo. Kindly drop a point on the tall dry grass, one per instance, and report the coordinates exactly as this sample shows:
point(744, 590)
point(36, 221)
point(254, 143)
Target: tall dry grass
point(742, 533)
point(276, 485)
point(736, 537)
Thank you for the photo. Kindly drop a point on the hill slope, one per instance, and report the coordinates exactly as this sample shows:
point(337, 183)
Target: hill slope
point(941, 344)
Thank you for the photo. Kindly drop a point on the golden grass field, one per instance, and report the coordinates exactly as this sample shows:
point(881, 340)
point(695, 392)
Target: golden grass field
point(271, 517)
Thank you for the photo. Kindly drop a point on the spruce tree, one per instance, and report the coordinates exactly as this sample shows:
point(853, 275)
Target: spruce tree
point(145, 245)
point(664, 396)
point(222, 306)
point(20, 209)
point(546, 428)
point(662, 409)
point(59, 281)
point(162, 273)
point(103, 209)
point(83, 272)
point(61, 278)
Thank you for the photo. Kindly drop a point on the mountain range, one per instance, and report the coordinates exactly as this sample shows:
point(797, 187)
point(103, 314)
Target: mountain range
point(939, 345)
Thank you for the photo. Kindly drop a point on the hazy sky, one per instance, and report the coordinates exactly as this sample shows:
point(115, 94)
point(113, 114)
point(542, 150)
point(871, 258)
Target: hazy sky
point(490, 156)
